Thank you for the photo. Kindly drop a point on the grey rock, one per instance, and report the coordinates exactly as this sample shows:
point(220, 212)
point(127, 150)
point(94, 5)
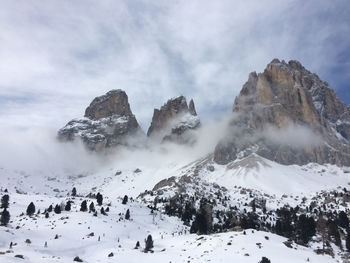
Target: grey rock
point(286, 96)
point(108, 122)
point(173, 121)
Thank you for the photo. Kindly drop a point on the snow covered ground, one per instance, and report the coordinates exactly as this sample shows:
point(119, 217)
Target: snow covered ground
point(172, 241)
point(131, 173)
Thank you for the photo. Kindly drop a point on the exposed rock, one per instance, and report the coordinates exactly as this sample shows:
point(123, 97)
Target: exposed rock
point(107, 122)
point(275, 107)
point(192, 108)
point(173, 120)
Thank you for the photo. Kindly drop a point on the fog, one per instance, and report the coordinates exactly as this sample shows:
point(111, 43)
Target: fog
point(38, 149)
point(293, 135)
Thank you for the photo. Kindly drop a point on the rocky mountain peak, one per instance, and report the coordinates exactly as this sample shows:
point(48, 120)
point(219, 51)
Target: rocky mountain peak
point(114, 102)
point(173, 119)
point(107, 122)
point(284, 97)
point(191, 108)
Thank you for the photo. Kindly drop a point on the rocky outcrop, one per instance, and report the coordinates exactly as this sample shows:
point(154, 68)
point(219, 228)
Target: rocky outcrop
point(174, 120)
point(287, 114)
point(107, 122)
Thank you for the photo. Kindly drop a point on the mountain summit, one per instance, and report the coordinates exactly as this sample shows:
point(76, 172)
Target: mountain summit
point(288, 115)
point(108, 120)
point(173, 120)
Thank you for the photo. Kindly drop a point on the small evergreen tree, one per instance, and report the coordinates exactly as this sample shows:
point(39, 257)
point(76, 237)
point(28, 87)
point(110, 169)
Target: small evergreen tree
point(347, 241)
point(149, 243)
point(343, 220)
point(5, 217)
point(103, 211)
point(50, 209)
point(92, 207)
point(31, 209)
point(47, 215)
point(83, 206)
point(305, 229)
point(127, 215)
point(74, 191)
point(5, 201)
point(137, 245)
point(202, 223)
point(57, 209)
point(254, 205)
point(99, 198)
point(265, 260)
point(125, 200)
point(68, 206)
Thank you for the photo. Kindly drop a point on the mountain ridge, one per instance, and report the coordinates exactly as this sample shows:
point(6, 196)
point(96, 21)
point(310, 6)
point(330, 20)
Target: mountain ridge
point(284, 101)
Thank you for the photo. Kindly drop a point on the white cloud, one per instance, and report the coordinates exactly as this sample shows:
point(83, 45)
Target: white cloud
point(57, 55)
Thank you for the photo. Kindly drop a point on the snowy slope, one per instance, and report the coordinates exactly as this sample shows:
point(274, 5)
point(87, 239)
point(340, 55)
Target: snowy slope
point(134, 172)
point(172, 241)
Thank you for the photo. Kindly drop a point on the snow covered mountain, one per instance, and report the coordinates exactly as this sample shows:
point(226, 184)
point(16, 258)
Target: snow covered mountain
point(267, 184)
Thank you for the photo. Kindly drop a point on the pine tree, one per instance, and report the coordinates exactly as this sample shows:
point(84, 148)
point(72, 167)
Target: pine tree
point(149, 243)
point(74, 191)
point(57, 209)
point(125, 200)
point(31, 209)
point(137, 245)
point(50, 209)
point(92, 207)
point(68, 206)
point(5, 201)
point(99, 198)
point(306, 228)
point(103, 211)
point(347, 241)
point(265, 260)
point(323, 230)
point(47, 215)
point(202, 223)
point(5, 217)
point(254, 205)
point(343, 220)
point(127, 215)
point(83, 206)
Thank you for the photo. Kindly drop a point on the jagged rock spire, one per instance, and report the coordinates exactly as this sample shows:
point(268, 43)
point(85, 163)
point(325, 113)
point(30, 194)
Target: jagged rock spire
point(284, 96)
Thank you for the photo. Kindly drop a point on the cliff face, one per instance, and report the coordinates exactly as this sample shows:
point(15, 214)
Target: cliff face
point(173, 121)
point(287, 99)
point(107, 122)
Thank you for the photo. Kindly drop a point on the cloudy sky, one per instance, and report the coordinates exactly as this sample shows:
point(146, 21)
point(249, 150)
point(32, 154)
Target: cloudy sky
point(56, 56)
